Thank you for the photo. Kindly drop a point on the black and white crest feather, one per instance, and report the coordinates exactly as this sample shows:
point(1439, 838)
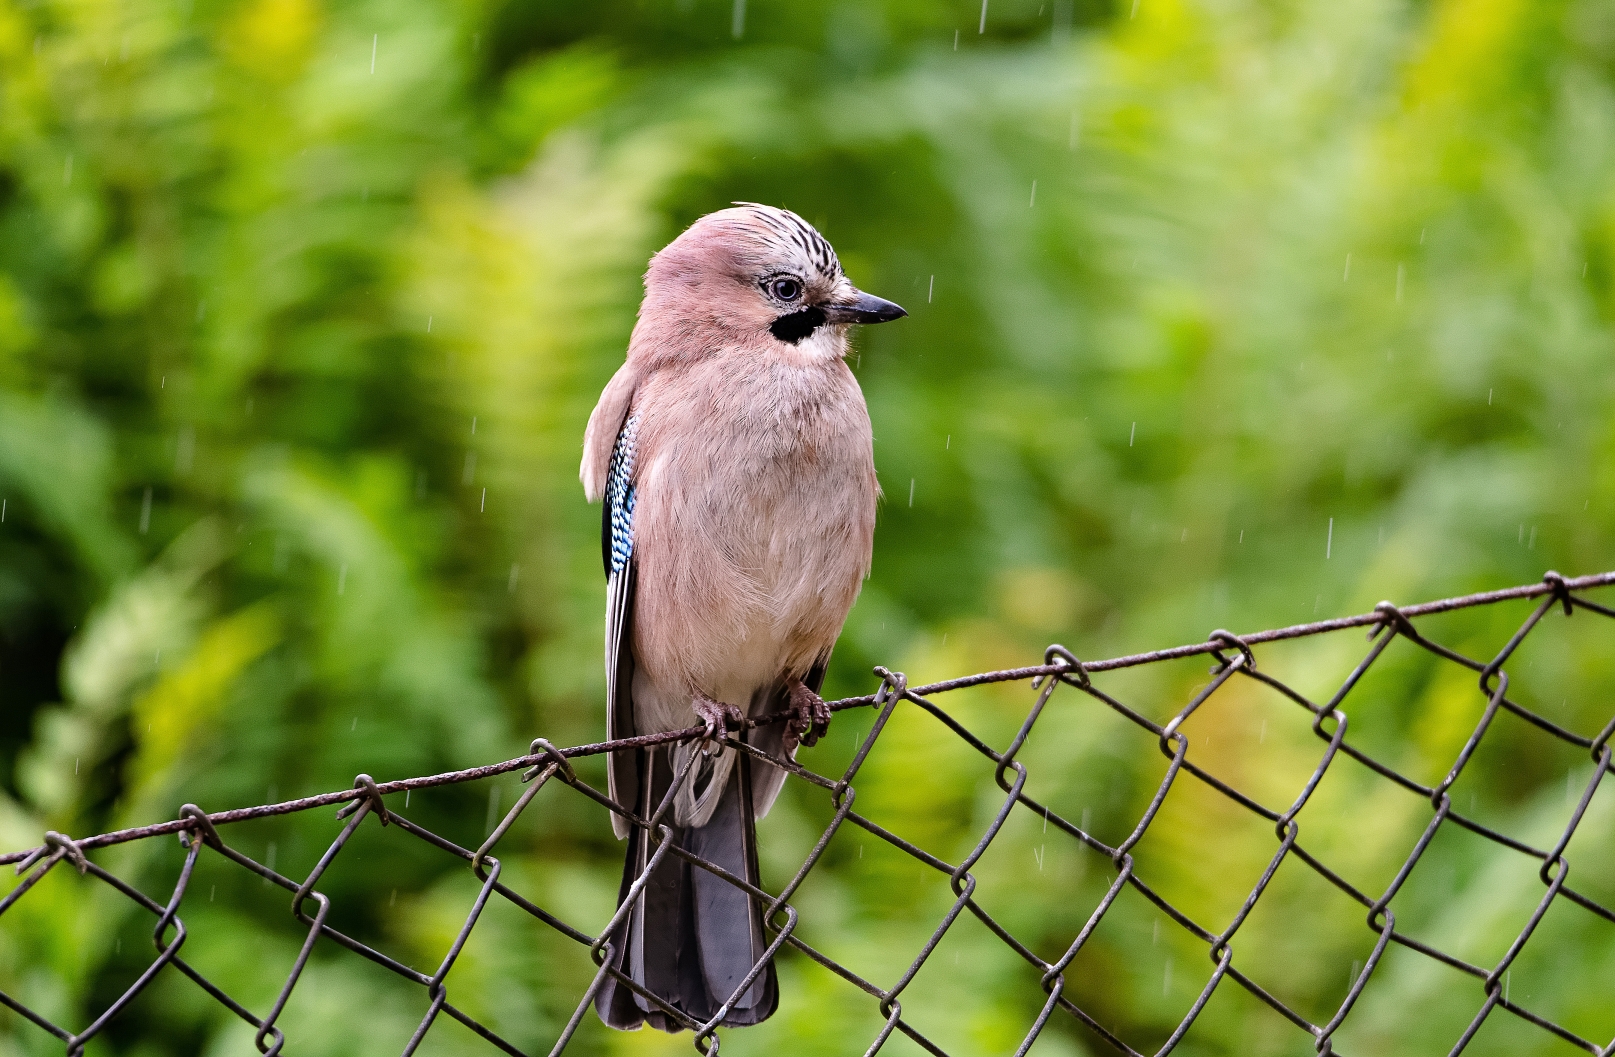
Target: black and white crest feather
point(795, 231)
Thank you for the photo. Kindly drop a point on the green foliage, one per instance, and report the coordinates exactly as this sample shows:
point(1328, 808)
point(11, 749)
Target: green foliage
point(1220, 315)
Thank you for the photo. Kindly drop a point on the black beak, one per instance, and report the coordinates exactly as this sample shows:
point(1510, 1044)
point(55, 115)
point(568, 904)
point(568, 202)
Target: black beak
point(866, 309)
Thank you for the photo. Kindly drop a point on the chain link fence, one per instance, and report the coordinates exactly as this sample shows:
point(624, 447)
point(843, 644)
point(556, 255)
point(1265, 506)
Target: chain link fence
point(549, 772)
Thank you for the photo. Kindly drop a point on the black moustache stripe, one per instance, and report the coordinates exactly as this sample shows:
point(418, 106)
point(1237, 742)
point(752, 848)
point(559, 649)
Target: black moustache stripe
point(794, 327)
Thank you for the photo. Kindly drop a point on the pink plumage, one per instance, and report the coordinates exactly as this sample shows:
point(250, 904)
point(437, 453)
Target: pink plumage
point(742, 523)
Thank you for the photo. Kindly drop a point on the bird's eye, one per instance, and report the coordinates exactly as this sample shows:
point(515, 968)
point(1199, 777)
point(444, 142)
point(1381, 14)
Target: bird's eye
point(785, 288)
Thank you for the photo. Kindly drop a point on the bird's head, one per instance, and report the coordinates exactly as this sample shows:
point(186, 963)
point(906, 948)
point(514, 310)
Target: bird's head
point(761, 278)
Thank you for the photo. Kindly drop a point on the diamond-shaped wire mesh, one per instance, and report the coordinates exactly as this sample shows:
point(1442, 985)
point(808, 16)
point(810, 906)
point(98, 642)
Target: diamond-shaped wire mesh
point(549, 772)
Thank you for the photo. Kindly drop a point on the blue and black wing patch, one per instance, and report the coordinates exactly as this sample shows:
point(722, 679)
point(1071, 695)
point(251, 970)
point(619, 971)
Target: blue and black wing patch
point(617, 519)
point(617, 547)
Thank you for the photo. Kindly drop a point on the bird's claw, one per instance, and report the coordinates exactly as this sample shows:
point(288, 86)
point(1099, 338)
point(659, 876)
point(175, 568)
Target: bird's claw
point(716, 718)
point(810, 716)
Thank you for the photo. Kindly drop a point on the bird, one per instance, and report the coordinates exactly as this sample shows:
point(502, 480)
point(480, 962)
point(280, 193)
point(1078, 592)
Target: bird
point(734, 456)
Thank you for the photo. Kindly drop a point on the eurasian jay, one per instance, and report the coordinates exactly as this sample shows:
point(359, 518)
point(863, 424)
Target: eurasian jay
point(734, 454)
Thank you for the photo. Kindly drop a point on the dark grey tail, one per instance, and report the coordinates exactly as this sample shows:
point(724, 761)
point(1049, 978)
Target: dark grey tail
point(693, 937)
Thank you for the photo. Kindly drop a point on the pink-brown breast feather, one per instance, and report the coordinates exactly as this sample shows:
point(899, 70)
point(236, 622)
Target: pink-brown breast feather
point(754, 518)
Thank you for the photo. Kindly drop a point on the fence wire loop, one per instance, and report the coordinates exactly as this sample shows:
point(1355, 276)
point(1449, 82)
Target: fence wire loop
point(1390, 619)
point(1068, 663)
point(555, 758)
point(371, 797)
point(202, 827)
point(58, 846)
point(1560, 590)
point(1233, 642)
point(1063, 987)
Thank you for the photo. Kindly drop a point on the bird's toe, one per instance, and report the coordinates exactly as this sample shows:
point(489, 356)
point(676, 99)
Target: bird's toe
point(810, 716)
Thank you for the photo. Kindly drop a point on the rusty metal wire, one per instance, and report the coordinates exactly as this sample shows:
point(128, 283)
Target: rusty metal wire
point(1234, 657)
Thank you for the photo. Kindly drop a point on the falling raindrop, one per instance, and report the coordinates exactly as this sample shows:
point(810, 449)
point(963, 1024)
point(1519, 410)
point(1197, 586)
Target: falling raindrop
point(483, 506)
point(493, 810)
point(473, 425)
point(982, 28)
point(1131, 434)
point(3, 503)
point(428, 324)
point(375, 42)
point(1347, 274)
point(955, 40)
point(1033, 201)
point(911, 491)
point(515, 571)
point(1242, 535)
point(930, 291)
point(737, 20)
point(948, 443)
point(354, 725)
point(1489, 393)
point(1329, 541)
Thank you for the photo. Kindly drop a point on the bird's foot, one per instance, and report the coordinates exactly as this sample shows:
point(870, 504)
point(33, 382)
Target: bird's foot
point(810, 716)
point(717, 717)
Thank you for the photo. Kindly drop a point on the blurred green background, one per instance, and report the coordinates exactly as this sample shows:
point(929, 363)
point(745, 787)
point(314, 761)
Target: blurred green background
point(1222, 313)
